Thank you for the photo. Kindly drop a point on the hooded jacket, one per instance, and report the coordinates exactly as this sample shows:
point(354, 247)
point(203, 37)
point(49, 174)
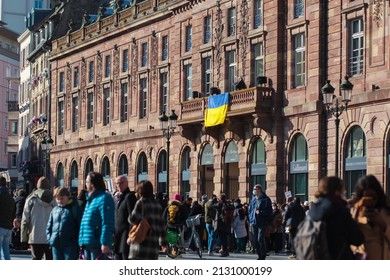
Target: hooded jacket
point(36, 214)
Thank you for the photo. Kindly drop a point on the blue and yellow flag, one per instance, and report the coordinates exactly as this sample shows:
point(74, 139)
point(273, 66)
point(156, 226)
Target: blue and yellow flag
point(216, 109)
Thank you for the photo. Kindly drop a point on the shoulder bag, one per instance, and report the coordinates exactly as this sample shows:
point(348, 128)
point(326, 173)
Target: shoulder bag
point(139, 232)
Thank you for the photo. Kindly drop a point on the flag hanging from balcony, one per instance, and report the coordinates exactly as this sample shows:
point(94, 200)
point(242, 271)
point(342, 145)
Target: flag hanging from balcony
point(216, 109)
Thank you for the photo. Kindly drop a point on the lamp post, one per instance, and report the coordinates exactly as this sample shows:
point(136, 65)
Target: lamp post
point(168, 125)
point(47, 146)
point(337, 108)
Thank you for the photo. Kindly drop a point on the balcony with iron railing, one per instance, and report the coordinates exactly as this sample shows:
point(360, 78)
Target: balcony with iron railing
point(13, 106)
point(242, 103)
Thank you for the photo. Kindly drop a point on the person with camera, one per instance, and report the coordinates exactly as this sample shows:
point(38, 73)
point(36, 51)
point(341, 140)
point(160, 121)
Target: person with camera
point(372, 213)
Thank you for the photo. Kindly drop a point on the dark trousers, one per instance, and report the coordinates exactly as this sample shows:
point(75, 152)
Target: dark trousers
point(38, 250)
point(224, 241)
point(259, 234)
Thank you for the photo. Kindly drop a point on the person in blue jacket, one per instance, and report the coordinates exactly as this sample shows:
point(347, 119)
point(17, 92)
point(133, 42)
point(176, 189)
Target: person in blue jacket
point(63, 226)
point(260, 214)
point(98, 222)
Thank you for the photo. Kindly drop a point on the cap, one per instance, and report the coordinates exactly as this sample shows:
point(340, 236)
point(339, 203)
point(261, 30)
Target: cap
point(177, 196)
point(205, 197)
point(306, 203)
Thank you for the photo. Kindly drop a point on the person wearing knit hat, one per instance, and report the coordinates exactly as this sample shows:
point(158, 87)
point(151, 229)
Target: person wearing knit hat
point(205, 198)
point(177, 197)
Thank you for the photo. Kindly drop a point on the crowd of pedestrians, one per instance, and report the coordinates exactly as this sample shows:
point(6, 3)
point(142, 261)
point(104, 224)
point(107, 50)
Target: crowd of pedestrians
point(96, 224)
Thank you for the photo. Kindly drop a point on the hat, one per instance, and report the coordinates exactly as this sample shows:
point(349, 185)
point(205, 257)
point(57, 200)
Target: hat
point(205, 197)
point(177, 196)
point(306, 203)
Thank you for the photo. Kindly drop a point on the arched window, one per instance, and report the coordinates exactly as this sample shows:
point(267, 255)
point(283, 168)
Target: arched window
point(355, 159)
point(299, 167)
point(207, 171)
point(142, 167)
point(162, 172)
point(60, 175)
point(88, 167)
point(258, 169)
point(106, 167)
point(185, 172)
point(123, 166)
point(74, 175)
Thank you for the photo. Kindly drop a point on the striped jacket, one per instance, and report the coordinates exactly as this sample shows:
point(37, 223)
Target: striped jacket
point(98, 222)
point(148, 250)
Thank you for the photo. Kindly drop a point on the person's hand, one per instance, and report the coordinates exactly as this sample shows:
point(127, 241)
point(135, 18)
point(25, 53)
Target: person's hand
point(105, 249)
point(164, 248)
point(257, 212)
point(128, 241)
point(16, 223)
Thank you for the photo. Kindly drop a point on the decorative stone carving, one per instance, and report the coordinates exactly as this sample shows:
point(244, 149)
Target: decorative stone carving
point(377, 11)
point(99, 75)
point(83, 79)
point(134, 65)
point(154, 56)
point(116, 70)
point(218, 48)
point(244, 30)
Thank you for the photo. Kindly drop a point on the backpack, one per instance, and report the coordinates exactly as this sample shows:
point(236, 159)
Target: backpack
point(311, 242)
point(227, 213)
point(172, 214)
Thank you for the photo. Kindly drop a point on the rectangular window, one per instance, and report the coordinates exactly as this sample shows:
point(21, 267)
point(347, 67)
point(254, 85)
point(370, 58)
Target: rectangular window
point(143, 85)
point(106, 106)
point(258, 16)
point(164, 54)
point(258, 55)
point(164, 92)
point(75, 113)
point(144, 59)
point(91, 72)
point(60, 120)
point(13, 160)
point(188, 38)
point(15, 127)
point(75, 77)
point(207, 72)
point(299, 8)
point(124, 101)
point(299, 60)
point(38, 4)
point(90, 106)
point(188, 81)
point(125, 60)
point(231, 21)
point(207, 32)
point(356, 60)
point(232, 69)
point(107, 66)
point(61, 82)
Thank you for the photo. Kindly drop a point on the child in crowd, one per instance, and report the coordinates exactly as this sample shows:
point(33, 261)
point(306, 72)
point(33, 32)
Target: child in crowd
point(240, 232)
point(63, 226)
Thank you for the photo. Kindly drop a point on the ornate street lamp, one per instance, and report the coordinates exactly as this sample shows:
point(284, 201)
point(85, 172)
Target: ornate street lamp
point(47, 146)
point(168, 125)
point(337, 108)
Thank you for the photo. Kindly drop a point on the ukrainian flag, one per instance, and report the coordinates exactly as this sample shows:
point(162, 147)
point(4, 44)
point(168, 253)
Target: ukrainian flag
point(216, 109)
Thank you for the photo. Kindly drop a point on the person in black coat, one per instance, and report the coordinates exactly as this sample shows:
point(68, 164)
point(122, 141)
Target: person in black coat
point(124, 208)
point(295, 214)
point(20, 200)
point(342, 230)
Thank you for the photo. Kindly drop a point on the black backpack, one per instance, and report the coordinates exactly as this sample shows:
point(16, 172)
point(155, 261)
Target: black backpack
point(311, 242)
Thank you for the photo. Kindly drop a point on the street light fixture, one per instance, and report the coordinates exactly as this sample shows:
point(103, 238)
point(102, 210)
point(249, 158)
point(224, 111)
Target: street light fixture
point(337, 108)
point(47, 146)
point(168, 125)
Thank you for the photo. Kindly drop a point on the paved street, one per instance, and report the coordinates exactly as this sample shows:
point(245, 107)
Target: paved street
point(25, 255)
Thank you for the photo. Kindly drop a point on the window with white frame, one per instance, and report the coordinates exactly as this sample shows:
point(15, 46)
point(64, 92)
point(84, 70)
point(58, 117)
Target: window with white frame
point(299, 59)
point(107, 66)
point(188, 38)
point(143, 86)
point(106, 106)
point(60, 120)
point(207, 31)
point(164, 54)
point(125, 60)
point(61, 82)
point(75, 113)
point(207, 74)
point(258, 55)
point(231, 21)
point(188, 81)
point(124, 100)
point(13, 160)
point(356, 60)
point(258, 13)
point(164, 92)
point(90, 109)
point(299, 8)
point(144, 54)
point(232, 69)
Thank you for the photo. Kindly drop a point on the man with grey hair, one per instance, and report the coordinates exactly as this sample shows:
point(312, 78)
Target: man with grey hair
point(35, 216)
point(7, 215)
point(123, 209)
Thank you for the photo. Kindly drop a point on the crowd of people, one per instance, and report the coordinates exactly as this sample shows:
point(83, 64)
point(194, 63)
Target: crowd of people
point(96, 224)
